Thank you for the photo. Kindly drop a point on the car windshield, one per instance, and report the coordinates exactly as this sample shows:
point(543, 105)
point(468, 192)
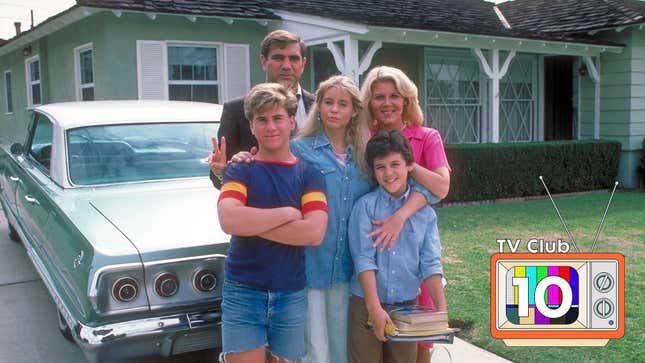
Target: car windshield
point(136, 152)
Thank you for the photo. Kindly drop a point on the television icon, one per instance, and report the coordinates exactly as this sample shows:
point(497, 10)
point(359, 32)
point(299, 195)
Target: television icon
point(572, 299)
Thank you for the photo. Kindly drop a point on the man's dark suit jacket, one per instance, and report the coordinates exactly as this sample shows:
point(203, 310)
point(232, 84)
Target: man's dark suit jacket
point(235, 127)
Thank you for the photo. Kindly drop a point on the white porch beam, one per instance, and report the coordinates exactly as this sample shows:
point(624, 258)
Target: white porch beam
point(483, 62)
point(495, 73)
point(368, 56)
point(506, 64)
point(595, 77)
point(339, 58)
point(593, 70)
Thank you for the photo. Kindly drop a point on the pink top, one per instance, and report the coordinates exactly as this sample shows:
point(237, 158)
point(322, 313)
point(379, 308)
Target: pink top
point(427, 147)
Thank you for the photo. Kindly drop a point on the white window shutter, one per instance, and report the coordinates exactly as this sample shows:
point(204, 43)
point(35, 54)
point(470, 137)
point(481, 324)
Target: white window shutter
point(152, 70)
point(235, 73)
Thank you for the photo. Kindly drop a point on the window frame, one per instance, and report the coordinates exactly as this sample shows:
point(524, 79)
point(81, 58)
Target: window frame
point(79, 86)
point(29, 144)
point(29, 82)
point(219, 53)
point(8, 92)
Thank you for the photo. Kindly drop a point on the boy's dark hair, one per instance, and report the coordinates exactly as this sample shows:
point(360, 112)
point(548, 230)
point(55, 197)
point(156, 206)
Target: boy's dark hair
point(384, 143)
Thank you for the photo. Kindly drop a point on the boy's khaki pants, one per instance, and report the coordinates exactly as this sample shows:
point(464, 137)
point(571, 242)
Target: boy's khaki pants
point(363, 347)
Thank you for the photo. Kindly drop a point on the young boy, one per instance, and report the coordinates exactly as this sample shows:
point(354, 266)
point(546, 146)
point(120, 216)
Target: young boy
point(384, 279)
point(272, 208)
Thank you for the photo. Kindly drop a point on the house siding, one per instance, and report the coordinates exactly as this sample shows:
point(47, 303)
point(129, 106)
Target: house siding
point(114, 56)
point(622, 100)
point(12, 125)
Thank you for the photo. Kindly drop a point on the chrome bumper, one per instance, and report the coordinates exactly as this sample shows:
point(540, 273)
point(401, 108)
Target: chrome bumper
point(163, 336)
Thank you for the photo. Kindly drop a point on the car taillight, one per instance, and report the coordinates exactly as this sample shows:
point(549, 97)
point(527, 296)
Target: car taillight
point(166, 285)
point(125, 289)
point(205, 280)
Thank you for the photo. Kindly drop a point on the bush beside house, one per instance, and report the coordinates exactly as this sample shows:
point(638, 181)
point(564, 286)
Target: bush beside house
point(505, 170)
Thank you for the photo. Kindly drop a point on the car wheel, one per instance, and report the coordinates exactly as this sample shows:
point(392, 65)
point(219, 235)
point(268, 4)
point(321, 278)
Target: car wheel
point(64, 329)
point(13, 234)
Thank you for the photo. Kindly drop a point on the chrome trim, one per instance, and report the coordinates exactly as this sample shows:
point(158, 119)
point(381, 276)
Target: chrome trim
point(167, 276)
point(135, 286)
point(184, 259)
point(100, 336)
point(92, 290)
point(207, 273)
point(93, 287)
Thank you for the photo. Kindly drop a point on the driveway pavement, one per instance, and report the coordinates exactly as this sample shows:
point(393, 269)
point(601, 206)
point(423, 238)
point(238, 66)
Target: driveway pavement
point(29, 332)
point(28, 323)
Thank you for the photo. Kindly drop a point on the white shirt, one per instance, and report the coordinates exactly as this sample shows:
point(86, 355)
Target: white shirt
point(301, 113)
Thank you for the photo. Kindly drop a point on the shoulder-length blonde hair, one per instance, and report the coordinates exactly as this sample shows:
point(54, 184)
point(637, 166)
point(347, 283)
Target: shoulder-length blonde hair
point(412, 113)
point(356, 132)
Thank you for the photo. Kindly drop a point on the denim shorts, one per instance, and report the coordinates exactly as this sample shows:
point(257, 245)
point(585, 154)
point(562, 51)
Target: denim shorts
point(253, 318)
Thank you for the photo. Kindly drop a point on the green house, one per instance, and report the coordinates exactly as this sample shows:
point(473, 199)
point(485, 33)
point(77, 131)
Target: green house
point(524, 70)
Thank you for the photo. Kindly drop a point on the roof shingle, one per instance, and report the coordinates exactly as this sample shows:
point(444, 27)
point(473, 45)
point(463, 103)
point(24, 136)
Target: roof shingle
point(571, 16)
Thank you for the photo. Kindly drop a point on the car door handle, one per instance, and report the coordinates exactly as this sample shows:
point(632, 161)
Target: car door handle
point(14, 178)
point(31, 199)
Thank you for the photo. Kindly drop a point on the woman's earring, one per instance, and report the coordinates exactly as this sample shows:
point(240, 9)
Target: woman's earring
point(318, 118)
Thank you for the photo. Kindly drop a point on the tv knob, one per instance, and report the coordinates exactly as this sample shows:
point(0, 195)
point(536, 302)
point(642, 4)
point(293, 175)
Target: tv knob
point(603, 308)
point(603, 282)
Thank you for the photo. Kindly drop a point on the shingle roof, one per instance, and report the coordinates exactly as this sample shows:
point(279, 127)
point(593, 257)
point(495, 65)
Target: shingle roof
point(571, 16)
point(466, 16)
point(459, 16)
point(226, 8)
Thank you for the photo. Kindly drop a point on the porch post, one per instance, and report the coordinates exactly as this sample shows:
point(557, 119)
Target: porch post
point(495, 74)
point(348, 62)
point(351, 59)
point(595, 77)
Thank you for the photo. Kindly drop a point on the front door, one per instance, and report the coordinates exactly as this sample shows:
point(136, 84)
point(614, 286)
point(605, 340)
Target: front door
point(558, 98)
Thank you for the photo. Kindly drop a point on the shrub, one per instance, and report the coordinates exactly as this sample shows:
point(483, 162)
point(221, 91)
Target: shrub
point(505, 170)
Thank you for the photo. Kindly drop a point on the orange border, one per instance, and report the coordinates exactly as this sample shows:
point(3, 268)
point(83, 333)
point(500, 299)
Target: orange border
point(552, 334)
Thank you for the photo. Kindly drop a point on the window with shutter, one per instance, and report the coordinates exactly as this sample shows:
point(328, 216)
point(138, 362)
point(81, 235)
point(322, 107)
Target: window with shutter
point(192, 71)
point(151, 70)
point(236, 75)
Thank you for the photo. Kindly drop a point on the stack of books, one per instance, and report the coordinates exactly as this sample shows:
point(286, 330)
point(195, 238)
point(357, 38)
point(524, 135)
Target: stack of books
point(419, 320)
point(419, 324)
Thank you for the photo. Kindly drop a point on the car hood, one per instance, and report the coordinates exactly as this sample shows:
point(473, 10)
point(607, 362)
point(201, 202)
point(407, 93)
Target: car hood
point(166, 223)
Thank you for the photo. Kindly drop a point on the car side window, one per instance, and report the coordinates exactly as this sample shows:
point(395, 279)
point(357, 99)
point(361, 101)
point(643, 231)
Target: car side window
point(41, 141)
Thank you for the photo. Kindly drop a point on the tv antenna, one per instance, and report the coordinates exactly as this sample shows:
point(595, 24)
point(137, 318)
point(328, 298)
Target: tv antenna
point(602, 221)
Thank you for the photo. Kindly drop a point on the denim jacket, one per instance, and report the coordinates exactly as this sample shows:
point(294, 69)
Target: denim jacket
point(331, 263)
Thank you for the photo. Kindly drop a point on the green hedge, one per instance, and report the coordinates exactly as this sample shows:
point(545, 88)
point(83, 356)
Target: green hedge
point(505, 170)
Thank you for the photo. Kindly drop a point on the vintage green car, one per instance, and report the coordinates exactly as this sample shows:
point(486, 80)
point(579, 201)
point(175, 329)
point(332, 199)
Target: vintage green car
point(114, 206)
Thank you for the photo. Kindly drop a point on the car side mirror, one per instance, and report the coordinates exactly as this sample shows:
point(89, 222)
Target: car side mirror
point(16, 149)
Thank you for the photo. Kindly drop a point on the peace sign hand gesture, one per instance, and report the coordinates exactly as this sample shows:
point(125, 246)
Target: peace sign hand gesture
point(217, 160)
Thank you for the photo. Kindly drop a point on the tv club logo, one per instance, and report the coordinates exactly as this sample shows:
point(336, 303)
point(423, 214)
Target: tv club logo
point(551, 297)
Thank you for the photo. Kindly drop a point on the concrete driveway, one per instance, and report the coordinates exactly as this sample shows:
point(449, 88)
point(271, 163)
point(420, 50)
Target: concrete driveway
point(28, 323)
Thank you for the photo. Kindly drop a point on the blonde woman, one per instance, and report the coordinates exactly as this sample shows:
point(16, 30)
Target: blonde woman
point(391, 103)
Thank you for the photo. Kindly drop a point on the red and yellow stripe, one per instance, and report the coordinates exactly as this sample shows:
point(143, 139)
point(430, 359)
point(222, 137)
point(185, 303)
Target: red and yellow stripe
point(233, 189)
point(314, 200)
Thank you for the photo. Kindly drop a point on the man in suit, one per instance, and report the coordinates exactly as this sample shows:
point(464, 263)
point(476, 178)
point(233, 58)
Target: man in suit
point(282, 56)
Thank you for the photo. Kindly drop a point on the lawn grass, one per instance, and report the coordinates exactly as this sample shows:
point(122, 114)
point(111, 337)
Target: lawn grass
point(469, 234)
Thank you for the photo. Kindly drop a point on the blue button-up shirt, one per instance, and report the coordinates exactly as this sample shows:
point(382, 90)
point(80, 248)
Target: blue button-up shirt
point(330, 262)
point(416, 254)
